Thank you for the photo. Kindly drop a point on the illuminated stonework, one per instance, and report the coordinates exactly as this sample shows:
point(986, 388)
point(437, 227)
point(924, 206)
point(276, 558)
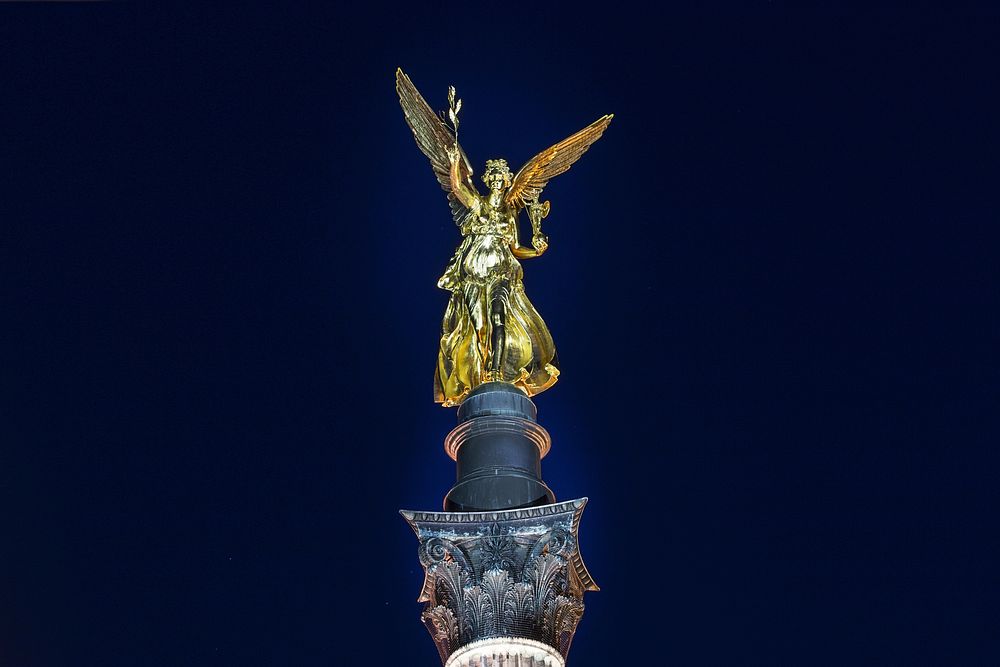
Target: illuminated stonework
point(506, 652)
point(512, 574)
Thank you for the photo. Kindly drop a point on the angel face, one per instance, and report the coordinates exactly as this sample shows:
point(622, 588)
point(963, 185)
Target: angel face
point(497, 175)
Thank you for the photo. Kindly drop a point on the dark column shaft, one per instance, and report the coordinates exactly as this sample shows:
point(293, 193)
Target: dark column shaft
point(497, 446)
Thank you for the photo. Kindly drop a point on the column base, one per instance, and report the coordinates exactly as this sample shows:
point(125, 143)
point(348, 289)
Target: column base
point(506, 652)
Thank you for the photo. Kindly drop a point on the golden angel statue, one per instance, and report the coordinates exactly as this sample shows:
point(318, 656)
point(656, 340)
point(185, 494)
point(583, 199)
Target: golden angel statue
point(490, 332)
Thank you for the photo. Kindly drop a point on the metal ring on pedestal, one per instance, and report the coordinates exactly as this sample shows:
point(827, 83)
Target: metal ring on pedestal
point(497, 424)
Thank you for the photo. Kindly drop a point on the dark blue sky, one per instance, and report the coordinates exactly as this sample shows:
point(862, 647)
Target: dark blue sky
point(773, 285)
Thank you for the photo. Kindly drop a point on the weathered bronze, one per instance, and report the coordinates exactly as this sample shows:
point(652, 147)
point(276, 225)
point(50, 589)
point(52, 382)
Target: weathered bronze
point(491, 332)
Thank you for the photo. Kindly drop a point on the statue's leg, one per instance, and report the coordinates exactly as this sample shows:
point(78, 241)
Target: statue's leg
point(499, 297)
point(476, 307)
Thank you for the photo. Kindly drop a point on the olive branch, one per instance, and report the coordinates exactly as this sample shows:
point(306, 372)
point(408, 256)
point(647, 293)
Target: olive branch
point(454, 106)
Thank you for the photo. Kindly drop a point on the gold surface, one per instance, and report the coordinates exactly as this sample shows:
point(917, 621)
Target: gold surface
point(490, 331)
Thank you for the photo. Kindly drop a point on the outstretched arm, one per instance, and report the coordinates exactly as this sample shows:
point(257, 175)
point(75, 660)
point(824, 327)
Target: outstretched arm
point(465, 195)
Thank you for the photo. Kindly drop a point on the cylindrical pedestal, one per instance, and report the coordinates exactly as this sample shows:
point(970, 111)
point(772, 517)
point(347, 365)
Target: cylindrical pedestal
point(498, 447)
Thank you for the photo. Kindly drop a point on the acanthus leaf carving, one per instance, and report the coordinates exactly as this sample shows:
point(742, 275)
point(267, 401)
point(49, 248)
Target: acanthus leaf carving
point(443, 626)
point(517, 577)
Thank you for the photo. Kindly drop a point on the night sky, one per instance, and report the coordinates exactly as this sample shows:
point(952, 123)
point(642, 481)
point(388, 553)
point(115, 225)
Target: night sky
point(773, 285)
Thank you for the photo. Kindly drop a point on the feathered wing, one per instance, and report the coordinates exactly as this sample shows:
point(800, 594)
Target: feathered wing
point(434, 139)
point(535, 174)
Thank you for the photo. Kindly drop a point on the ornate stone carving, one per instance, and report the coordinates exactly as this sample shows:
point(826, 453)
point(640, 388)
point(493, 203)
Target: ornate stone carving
point(504, 574)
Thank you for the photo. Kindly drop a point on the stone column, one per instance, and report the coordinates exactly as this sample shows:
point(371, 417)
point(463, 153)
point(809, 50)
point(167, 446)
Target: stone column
point(504, 580)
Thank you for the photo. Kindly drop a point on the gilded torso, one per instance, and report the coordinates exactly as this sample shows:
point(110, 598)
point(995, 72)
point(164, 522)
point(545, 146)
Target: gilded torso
point(485, 254)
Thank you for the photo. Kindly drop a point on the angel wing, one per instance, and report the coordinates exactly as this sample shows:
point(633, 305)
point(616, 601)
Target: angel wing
point(434, 139)
point(537, 171)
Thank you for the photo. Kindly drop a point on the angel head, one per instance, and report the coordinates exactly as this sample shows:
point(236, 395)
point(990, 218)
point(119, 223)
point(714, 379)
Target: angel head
point(497, 175)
